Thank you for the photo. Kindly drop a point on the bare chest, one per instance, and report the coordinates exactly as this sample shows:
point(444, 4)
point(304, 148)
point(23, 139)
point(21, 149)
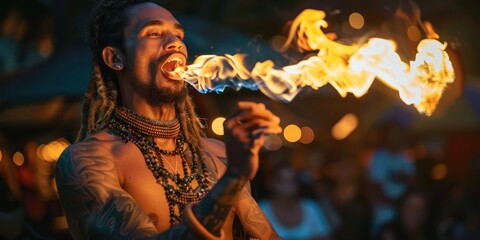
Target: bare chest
point(148, 190)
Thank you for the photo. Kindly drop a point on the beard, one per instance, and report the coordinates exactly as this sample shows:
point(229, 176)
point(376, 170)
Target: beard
point(159, 90)
point(161, 96)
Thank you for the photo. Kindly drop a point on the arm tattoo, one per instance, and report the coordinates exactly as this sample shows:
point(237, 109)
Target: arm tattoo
point(95, 205)
point(255, 224)
point(214, 208)
point(252, 215)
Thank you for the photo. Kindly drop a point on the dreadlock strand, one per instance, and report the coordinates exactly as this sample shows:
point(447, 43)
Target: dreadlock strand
point(102, 103)
point(190, 121)
point(110, 102)
point(87, 100)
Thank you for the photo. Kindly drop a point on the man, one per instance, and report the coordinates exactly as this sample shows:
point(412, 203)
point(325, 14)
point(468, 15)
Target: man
point(141, 168)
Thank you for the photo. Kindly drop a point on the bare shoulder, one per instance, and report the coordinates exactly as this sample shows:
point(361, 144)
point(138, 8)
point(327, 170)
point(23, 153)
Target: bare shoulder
point(87, 152)
point(83, 163)
point(89, 190)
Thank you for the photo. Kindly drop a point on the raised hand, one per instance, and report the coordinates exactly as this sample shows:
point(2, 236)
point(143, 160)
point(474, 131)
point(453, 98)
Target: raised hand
point(245, 132)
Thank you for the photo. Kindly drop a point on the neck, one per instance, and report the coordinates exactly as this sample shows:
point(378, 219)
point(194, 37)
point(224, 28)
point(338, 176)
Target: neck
point(163, 112)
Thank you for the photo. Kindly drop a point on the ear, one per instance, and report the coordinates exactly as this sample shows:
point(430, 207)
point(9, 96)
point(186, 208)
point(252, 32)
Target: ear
point(113, 58)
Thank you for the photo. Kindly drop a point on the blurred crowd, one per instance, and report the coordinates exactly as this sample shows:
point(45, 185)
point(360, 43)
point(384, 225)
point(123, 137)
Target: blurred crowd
point(29, 206)
point(385, 187)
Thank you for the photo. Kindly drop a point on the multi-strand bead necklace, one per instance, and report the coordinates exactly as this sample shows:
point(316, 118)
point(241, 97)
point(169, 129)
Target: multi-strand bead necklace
point(179, 189)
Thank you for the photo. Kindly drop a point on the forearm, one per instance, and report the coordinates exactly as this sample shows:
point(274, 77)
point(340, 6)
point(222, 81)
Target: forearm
point(213, 210)
point(255, 223)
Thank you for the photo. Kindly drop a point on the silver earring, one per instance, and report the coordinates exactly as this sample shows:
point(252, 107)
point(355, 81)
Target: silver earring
point(118, 66)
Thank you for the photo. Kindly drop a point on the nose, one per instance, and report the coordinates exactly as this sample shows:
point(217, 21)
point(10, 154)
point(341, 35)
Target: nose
point(172, 42)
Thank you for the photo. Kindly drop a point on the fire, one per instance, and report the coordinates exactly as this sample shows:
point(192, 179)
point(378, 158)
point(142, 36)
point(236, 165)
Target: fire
point(348, 68)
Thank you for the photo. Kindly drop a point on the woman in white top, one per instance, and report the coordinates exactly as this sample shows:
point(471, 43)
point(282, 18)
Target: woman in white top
point(292, 216)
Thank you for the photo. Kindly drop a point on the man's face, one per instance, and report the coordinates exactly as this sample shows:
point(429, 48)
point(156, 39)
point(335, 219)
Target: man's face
point(154, 48)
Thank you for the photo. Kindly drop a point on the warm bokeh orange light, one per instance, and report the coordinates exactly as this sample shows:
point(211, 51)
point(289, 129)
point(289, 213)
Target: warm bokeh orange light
point(18, 159)
point(40, 152)
point(356, 20)
point(217, 126)
point(413, 33)
point(46, 47)
point(307, 135)
point(440, 171)
point(1, 156)
point(345, 126)
point(52, 151)
point(292, 133)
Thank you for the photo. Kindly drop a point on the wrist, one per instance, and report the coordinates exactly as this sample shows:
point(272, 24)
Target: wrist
point(212, 211)
point(197, 228)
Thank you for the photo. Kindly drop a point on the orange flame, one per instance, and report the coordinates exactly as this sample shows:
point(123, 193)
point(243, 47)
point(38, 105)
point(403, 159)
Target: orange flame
point(348, 68)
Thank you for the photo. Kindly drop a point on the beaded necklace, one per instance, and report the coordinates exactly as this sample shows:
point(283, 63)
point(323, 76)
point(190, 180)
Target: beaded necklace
point(146, 126)
point(178, 190)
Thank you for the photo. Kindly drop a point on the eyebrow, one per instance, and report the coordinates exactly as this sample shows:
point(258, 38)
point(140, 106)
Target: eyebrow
point(158, 23)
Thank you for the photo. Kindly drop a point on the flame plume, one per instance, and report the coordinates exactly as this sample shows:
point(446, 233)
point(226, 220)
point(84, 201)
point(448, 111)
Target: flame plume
point(348, 68)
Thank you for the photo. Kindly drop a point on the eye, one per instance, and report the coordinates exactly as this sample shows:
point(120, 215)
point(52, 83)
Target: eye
point(154, 34)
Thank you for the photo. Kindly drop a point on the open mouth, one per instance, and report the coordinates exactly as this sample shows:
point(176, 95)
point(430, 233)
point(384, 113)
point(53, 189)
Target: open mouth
point(173, 65)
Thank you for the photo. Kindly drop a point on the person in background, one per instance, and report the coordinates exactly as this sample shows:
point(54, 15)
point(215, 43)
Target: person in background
point(345, 176)
point(413, 221)
point(292, 215)
point(390, 172)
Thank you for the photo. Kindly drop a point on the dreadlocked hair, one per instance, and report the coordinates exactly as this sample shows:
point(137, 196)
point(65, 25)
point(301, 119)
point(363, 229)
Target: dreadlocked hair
point(102, 95)
point(99, 103)
point(192, 125)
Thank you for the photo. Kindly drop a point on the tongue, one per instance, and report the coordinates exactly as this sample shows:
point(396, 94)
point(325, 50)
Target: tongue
point(169, 70)
point(169, 66)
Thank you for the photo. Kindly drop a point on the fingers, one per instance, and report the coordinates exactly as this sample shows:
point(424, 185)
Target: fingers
point(250, 122)
point(253, 115)
point(245, 131)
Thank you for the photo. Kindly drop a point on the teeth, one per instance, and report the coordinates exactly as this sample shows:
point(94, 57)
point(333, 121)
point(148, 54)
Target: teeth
point(176, 59)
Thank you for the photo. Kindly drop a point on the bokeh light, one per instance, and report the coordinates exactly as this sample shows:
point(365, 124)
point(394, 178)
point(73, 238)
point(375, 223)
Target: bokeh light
point(18, 158)
point(46, 47)
point(52, 151)
point(292, 133)
point(413, 33)
point(217, 126)
point(273, 143)
point(356, 20)
point(40, 151)
point(307, 135)
point(439, 171)
point(345, 126)
point(1, 156)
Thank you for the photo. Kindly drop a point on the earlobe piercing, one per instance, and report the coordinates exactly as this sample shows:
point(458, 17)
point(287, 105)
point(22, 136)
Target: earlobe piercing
point(118, 66)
